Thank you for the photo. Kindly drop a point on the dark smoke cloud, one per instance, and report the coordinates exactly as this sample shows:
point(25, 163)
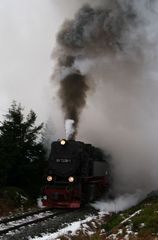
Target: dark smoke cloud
point(73, 89)
point(97, 29)
point(94, 31)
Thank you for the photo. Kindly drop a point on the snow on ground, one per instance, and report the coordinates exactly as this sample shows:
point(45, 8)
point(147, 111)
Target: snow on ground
point(71, 229)
point(126, 232)
point(4, 226)
point(119, 203)
point(39, 202)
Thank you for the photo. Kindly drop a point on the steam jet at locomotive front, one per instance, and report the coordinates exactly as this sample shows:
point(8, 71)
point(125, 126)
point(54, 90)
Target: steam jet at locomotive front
point(77, 173)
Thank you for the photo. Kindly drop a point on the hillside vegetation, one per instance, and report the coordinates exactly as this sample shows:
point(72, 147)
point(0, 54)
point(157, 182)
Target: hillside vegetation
point(137, 223)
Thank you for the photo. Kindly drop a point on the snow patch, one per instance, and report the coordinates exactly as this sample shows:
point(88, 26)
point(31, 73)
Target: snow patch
point(39, 202)
point(71, 229)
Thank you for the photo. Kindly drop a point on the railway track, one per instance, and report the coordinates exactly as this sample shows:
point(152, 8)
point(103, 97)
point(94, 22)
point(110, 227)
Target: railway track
point(15, 223)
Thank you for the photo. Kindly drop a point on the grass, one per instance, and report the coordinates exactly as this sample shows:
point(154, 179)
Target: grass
point(12, 198)
point(115, 220)
point(145, 223)
point(147, 220)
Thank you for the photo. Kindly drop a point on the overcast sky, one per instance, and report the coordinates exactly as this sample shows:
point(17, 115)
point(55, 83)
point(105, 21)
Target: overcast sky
point(27, 38)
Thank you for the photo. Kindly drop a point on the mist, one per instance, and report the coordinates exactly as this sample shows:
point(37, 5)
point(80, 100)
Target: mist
point(120, 203)
point(120, 113)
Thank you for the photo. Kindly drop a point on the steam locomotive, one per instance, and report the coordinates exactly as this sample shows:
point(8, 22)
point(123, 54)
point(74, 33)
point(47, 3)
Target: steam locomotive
point(77, 173)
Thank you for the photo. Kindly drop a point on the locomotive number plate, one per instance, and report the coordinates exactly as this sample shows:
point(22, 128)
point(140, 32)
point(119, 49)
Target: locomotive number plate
point(63, 160)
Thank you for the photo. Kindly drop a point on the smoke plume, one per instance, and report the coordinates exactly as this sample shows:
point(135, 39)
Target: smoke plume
point(72, 91)
point(97, 30)
point(113, 45)
point(92, 32)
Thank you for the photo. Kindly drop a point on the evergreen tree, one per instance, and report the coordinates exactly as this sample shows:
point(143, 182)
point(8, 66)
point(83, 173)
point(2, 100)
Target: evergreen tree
point(21, 150)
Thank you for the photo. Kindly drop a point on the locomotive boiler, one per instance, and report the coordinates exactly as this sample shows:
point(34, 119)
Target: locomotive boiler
point(77, 173)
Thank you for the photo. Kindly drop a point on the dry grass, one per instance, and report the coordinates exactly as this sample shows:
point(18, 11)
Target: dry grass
point(6, 208)
point(82, 236)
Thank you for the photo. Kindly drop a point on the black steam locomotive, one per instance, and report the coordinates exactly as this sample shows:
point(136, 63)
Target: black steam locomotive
point(77, 173)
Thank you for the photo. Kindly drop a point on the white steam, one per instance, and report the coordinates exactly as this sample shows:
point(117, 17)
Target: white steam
point(69, 128)
point(120, 203)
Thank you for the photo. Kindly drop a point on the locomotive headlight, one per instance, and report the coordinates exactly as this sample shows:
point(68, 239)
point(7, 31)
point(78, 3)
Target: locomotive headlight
point(49, 178)
point(71, 179)
point(63, 142)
